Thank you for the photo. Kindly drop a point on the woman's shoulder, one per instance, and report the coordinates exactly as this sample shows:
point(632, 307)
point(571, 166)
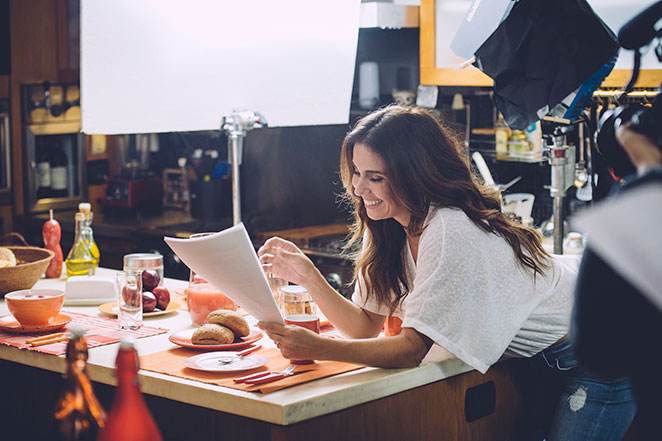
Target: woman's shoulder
point(450, 225)
point(449, 216)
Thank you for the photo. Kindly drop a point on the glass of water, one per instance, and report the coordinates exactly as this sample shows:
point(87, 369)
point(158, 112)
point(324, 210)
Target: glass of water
point(129, 299)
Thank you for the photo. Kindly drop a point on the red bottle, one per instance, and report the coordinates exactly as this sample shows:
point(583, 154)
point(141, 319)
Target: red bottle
point(51, 233)
point(129, 418)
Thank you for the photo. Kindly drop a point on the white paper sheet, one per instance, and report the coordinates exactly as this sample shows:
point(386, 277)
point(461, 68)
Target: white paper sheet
point(625, 232)
point(228, 261)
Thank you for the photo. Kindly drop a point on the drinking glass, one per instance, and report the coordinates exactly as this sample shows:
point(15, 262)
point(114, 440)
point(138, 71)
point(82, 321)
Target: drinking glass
point(202, 297)
point(129, 299)
point(311, 322)
point(274, 283)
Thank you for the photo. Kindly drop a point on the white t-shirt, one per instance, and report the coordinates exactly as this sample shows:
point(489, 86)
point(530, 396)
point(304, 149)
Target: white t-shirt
point(471, 296)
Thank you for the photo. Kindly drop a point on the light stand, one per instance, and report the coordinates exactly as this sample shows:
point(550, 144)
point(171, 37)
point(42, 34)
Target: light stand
point(562, 161)
point(235, 126)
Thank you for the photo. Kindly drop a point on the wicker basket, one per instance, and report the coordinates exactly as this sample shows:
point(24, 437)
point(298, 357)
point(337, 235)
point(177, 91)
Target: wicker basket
point(31, 263)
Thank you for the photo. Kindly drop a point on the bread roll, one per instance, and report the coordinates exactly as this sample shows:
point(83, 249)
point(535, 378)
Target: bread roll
point(230, 319)
point(7, 258)
point(212, 334)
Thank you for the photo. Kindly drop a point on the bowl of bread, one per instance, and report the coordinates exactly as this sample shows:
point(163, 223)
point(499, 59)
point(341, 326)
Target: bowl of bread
point(22, 266)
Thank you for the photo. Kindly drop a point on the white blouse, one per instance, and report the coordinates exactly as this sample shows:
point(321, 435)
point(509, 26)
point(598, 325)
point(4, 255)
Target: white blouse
point(471, 296)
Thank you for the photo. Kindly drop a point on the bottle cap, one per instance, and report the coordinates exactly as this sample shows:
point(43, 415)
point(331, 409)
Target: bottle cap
point(77, 332)
point(126, 343)
point(140, 261)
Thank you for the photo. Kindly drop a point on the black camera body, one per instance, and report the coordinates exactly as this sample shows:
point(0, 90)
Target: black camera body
point(645, 120)
point(635, 34)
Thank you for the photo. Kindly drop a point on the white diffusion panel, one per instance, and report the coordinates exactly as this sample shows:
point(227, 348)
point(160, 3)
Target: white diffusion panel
point(171, 65)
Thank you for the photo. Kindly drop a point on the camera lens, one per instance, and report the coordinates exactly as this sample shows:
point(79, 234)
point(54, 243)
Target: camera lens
point(606, 142)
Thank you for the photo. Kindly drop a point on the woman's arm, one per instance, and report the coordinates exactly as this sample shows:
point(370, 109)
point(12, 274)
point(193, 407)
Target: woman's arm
point(404, 350)
point(286, 260)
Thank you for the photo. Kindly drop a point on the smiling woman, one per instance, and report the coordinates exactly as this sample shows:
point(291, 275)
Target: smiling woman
point(437, 251)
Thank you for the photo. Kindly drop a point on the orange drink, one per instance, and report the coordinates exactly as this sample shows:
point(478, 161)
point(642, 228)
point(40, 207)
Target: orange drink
point(203, 298)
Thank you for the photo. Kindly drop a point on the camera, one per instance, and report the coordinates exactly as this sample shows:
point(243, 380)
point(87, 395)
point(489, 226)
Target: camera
point(645, 120)
point(635, 34)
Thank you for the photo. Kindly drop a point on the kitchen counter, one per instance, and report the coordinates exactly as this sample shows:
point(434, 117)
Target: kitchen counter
point(367, 396)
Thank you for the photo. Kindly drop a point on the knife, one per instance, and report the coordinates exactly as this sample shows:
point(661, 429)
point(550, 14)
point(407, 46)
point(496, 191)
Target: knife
point(273, 377)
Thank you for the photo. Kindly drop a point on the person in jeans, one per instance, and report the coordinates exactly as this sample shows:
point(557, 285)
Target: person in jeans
point(613, 318)
point(434, 249)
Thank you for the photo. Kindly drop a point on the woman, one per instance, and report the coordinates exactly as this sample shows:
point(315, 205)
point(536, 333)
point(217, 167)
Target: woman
point(438, 253)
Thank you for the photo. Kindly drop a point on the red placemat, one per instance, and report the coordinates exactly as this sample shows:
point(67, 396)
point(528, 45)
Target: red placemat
point(100, 331)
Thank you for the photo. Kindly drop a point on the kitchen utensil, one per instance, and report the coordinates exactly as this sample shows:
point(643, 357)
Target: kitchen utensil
point(51, 338)
point(210, 362)
point(35, 307)
point(89, 290)
point(183, 339)
point(483, 169)
point(521, 204)
point(110, 308)
point(308, 321)
point(368, 84)
point(232, 357)
point(274, 377)
point(245, 378)
point(31, 262)
point(9, 324)
point(504, 187)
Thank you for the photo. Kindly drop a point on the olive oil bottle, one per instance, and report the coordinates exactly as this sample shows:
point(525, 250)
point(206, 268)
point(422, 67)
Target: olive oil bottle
point(80, 260)
point(88, 234)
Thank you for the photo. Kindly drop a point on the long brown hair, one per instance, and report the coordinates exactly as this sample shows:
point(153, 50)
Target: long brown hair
point(425, 167)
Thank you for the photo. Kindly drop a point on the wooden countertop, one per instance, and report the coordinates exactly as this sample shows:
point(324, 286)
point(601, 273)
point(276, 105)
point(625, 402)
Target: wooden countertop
point(284, 407)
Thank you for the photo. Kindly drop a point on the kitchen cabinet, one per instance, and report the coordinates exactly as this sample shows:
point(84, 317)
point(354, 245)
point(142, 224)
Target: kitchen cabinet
point(43, 47)
point(438, 64)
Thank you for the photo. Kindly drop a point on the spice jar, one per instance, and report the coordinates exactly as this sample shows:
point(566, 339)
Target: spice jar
point(295, 300)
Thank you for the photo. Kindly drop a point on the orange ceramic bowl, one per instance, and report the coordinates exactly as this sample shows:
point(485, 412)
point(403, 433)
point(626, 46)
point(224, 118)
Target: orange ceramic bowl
point(35, 307)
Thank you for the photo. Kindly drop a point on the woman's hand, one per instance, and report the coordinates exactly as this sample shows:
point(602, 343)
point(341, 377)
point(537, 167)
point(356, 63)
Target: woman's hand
point(287, 261)
point(642, 151)
point(295, 342)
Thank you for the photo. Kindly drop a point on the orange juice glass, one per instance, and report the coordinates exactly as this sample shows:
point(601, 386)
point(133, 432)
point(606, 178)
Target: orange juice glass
point(202, 298)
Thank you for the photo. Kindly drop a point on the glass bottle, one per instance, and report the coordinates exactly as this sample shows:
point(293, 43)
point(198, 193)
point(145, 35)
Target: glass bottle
point(78, 414)
point(129, 419)
point(59, 172)
point(79, 261)
point(44, 173)
point(88, 234)
point(501, 135)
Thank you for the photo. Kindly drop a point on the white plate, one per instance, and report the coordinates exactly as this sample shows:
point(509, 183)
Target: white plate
point(210, 362)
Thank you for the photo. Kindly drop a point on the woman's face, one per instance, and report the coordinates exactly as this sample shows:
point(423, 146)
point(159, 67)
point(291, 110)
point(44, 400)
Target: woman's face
point(371, 183)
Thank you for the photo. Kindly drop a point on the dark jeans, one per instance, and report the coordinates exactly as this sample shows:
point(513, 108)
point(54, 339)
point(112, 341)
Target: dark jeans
point(562, 401)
